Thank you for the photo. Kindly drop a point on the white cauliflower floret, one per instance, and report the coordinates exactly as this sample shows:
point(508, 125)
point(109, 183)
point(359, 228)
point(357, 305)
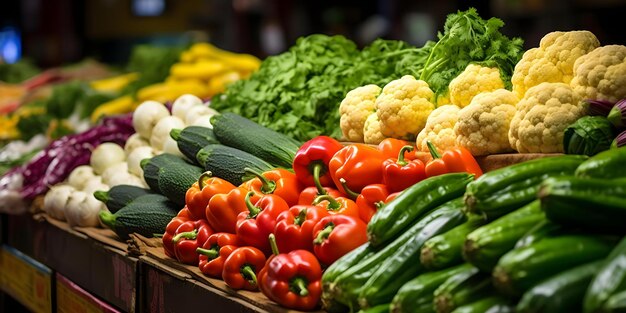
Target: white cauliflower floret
point(483, 125)
point(473, 80)
point(358, 104)
point(439, 128)
point(601, 74)
point(542, 116)
point(371, 130)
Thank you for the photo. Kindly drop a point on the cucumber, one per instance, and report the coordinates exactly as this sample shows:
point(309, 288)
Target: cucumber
point(171, 176)
point(229, 163)
point(241, 133)
point(563, 292)
point(606, 164)
point(501, 191)
point(484, 246)
point(445, 250)
point(416, 296)
point(543, 229)
point(489, 304)
point(119, 196)
point(193, 138)
point(588, 203)
point(611, 279)
point(146, 215)
point(616, 303)
point(521, 269)
point(414, 202)
point(461, 289)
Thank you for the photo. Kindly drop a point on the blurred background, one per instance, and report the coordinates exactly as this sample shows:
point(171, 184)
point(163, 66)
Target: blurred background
point(57, 32)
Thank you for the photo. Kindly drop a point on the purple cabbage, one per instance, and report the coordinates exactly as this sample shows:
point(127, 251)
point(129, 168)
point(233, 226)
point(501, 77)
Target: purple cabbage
point(617, 115)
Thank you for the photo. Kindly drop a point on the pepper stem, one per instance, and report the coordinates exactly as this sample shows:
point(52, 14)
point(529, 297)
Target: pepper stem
point(351, 194)
point(186, 235)
point(254, 211)
point(273, 244)
point(324, 233)
point(298, 220)
point(333, 204)
point(268, 186)
point(401, 161)
point(249, 274)
point(210, 253)
point(433, 150)
point(298, 285)
point(317, 170)
point(203, 178)
point(379, 204)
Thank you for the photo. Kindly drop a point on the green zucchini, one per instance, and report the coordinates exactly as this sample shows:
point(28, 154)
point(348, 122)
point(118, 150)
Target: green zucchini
point(381, 308)
point(414, 202)
point(348, 285)
point(611, 279)
point(445, 250)
point(119, 196)
point(193, 138)
point(543, 229)
point(501, 191)
point(152, 168)
point(616, 303)
point(461, 289)
point(171, 176)
point(230, 163)
point(489, 304)
point(416, 296)
point(404, 264)
point(146, 215)
point(588, 203)
point(607, 164)
point(484, 246)
point(563, 292)
point(521, 269)
point(241, 133)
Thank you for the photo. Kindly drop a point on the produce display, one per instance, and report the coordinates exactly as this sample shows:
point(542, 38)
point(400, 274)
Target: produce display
point(348, 180)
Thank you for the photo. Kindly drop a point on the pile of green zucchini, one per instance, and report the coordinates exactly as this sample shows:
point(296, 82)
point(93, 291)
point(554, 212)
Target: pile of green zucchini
point(545, 235)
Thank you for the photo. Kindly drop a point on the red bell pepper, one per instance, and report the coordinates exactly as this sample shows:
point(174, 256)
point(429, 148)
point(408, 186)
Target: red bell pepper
point(198, 196)
point(294, 227)
point(259, 221)
point(392, 196)
point(399, 174)
point(372, 197)
point(359, 165)
point(292, 279)
point(223, 209)
point(455, 160)
point(280, 182)
point(390, 147)
point(308, 195)
point(339, 205)
point(311, 161)
point(215, 251)
point(186, 238)
point(337, 235)
point(242, 267)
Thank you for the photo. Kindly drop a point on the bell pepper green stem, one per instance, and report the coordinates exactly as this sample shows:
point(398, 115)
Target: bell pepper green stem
point(401, 161)
point(333, 204)
point(210, 253)
point(317, 170)
point(324, 233)
point(107, 218)
point(186, 235)
point(248, 274)
point(298, 220)
point(254, 211)
point(298, 286)
point(268, 185)
point(379, 204)
point(273, 244)
point(351, 194)
point(203, 178)
point(433, 150)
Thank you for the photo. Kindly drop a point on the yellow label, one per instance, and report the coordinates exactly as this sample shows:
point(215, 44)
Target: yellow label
point(25, 280)
point(70, 301)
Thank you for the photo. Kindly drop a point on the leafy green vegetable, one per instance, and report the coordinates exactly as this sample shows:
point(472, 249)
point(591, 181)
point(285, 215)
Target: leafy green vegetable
point(589, 135)
point(64, 99)
point(153, 62)
point(17, 72)
point(33, 125)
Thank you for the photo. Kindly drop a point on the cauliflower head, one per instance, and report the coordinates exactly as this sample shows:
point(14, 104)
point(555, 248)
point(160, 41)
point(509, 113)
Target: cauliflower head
point(473, 80)
point(439, 128)
point(553, 61)
point(542, 116)
point(601, 74)
point(483, 125)
point(358, 104)
point(403, 107)
point(371, 130)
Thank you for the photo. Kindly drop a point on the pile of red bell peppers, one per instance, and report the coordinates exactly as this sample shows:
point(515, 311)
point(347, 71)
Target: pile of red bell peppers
point(275, 232)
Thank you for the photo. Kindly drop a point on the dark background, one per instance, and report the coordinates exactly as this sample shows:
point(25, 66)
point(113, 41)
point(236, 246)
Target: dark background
point(56, 32)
